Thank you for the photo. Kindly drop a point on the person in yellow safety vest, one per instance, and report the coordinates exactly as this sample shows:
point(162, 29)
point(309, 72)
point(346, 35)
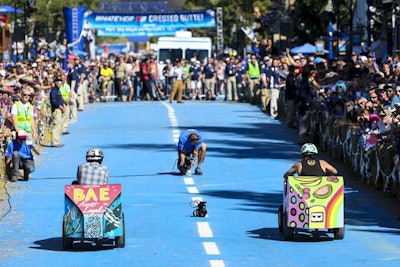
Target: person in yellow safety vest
point(66, 94)
point(23, 114)
point(253, 77)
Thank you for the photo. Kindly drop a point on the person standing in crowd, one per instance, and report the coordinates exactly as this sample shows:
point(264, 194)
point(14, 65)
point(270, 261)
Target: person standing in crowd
point(73, 77)
point(177, 87)
point(253, 77)
point(274, 81)
point(153, 69)
point(92, 172)
point(81, 84)
point(230, 80)
point(265, 87)
point(241, 84)
point(186, 80)
point(66, 95)
point(106, 76)
point(62, 53)
point(168, 80)
point(290, 98)
point(121, 72)
point(147, 93)
point(23, 114)
point(191, 144)
point(195, 80)
point(57, 109)
point(209, 75)
point(19, 155)
point(135, 76)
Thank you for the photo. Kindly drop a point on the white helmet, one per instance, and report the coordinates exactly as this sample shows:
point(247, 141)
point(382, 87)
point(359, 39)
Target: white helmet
point(308, 149)
point(94, 154)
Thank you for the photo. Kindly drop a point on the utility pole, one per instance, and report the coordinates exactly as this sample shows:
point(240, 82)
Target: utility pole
point(220, 32)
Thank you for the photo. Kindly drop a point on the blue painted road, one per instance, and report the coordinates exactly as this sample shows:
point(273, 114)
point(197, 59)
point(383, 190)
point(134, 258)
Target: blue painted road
point(242, 184)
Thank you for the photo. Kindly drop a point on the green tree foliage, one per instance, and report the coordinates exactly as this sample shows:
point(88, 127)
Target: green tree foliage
point(308, 20)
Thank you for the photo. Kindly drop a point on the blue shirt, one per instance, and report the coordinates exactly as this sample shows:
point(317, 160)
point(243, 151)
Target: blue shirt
point(240, 72)
point(185, 144)
point(195, 70)
point(24, 149)
point(230, 69)
point(209, 71)
point(56, 99)
point(92, 173)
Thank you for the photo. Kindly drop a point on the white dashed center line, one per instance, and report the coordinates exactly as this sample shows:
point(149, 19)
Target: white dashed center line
point(203, 228)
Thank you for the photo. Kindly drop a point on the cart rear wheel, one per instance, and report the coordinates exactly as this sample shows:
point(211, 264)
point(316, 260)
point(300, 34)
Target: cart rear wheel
point(67, 241)
point(338, 233)
point(120, 240)
point(287, 231)
point(280, 219)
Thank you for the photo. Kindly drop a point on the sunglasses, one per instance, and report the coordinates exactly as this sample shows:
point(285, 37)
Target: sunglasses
point(361, 103)
point(25, 94)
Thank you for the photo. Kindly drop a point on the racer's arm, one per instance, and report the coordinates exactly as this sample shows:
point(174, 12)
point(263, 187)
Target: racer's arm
point(296, 168)
point(328, 168)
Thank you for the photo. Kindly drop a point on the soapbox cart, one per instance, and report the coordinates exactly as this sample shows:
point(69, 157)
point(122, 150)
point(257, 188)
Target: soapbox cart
point(93, 213)
point(312, 203)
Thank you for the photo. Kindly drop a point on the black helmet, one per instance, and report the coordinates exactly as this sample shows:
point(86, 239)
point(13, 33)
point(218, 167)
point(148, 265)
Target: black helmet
point(94, 154)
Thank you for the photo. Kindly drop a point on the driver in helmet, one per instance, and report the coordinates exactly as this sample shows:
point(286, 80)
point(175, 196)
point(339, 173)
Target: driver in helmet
point(310, 165)
point(92, 172)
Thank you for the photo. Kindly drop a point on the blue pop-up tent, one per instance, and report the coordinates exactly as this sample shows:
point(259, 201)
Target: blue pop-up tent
point(305, 49)
point(10, 9)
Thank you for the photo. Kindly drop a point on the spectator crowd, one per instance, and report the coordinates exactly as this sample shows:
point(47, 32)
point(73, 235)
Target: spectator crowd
point(298, 89)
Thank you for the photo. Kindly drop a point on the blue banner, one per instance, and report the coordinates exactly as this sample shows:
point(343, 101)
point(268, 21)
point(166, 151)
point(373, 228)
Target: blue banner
point(73, 18)
point(148, 24)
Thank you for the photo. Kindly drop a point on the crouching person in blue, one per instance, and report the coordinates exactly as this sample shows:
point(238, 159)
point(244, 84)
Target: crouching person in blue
point(19, 156)
point(92, 172)
point(191, 147)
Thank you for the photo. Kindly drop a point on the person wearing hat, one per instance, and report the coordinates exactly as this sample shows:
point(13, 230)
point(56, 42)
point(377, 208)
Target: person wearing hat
point(191, 146)
point(265, 89)
point(230, 80)
point(310, 165)
point(57, 108)
point(384, 125)
point(19, 155)
point(23, 114)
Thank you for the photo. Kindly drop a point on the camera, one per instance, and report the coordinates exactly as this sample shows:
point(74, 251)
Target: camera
point(395, 111)
point(201, 210)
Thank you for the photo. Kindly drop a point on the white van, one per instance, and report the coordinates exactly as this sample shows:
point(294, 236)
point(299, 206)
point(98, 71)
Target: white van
point(186, 47)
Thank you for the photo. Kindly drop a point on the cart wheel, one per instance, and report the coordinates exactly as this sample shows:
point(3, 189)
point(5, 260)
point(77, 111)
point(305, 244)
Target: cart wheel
point(120, 240)
point(280, 219)
point(67, 241)
point(338, 233)
point(287, 231)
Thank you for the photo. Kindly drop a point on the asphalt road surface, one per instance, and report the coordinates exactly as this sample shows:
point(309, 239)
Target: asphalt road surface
point(242, 184)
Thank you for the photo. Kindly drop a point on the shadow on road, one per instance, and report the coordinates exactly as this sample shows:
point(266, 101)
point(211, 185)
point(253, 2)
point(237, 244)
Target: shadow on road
point(55, 244)
point(300, 236)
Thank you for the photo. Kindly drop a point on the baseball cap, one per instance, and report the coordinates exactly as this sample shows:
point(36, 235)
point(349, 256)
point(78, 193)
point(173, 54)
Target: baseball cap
point(21, 134)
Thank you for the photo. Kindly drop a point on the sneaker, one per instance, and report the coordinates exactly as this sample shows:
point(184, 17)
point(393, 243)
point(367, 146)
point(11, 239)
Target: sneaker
point(198, 171)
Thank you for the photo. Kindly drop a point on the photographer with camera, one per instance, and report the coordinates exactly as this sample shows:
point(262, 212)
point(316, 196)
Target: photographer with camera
point(191, 146)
